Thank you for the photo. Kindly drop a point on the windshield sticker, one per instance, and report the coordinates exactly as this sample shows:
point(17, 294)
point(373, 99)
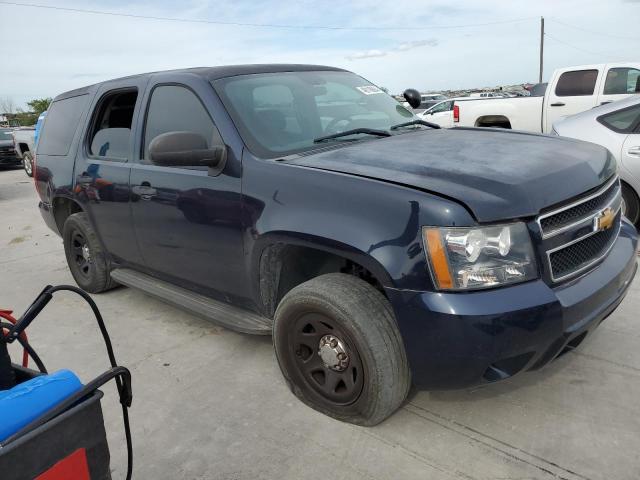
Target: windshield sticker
point(369, 89)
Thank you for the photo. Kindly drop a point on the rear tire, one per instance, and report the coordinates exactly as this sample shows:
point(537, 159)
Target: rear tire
point(631, 205)
point(85, 256)
point(27, 163)
point(342, 320)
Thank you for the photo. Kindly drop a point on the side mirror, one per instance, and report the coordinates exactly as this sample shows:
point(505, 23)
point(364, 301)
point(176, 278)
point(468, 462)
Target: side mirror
point(412, 97)
point(185, 149)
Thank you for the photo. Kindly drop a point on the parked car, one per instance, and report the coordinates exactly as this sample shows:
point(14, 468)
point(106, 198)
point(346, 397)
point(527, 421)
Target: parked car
point(485, 95)
point(304, 201)
point(428, 101)
point(441, 113)
point(615, 126)
point(8, 156)
point(25, 147)
point(571, 90)
point(539, 89)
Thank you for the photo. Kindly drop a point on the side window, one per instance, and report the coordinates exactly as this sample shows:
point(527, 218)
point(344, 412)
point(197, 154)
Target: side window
point(62, 121)
point(110, 135)
point(443, 107)
point(622, 80)
point(622, 121)
point(173, 108)
point(577, 83)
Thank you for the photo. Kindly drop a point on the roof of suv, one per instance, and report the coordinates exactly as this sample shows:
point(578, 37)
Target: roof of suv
point(214, 73)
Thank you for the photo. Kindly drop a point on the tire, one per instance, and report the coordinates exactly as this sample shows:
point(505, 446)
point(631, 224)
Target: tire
point(631, 205)
point(89, 267)
point(27, 163)
point(341, 314)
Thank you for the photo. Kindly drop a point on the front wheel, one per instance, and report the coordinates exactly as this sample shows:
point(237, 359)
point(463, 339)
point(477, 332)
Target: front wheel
point(630, 205)
point(340, 350)
point(27, 163)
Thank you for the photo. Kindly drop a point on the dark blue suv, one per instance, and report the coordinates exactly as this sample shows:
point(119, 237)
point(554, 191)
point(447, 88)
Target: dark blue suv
point(305, 202)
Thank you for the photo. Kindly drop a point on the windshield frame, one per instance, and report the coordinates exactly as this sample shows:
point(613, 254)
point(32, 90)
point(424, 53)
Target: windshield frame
point(262, 151)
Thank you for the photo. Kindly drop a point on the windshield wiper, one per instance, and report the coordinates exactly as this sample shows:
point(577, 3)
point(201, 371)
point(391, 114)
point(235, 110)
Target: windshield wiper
point(416, 122)
point(353, 131)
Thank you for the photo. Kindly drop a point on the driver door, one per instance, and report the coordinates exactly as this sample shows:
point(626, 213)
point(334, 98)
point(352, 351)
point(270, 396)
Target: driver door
point(188, 219)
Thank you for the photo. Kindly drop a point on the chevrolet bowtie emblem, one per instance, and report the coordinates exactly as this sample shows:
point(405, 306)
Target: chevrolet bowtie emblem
point(604, 221)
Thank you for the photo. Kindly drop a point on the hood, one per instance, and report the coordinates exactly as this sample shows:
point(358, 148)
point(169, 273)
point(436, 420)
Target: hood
point(497, 174)
point(6, 143)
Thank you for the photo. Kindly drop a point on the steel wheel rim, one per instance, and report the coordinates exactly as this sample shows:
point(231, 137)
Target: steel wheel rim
point(336, 385)
point(27, 164)
point(81, 253)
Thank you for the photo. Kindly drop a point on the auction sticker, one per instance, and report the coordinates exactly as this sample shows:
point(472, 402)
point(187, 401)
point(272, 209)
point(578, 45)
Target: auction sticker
point(369, 89)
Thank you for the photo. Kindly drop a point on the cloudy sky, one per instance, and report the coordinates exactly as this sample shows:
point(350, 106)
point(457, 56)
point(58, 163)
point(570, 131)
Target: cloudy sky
point(427, 44)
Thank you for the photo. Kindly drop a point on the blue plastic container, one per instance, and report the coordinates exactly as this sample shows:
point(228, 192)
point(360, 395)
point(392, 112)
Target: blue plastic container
point(29, 400)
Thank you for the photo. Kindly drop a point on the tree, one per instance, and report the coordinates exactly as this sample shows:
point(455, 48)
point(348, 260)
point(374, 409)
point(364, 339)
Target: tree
point(39, 105)
point(7, 105)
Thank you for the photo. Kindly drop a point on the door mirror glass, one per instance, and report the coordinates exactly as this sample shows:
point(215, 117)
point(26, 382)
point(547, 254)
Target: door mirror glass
point(185, 149)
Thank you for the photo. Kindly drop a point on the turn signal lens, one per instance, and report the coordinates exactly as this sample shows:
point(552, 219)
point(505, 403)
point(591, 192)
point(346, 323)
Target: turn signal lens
point(438, 258)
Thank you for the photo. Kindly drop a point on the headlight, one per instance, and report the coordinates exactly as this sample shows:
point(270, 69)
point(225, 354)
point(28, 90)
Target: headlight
point(479, 257)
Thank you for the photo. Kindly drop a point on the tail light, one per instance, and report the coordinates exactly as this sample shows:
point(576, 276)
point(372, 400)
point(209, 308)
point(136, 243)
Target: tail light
point(456, 113)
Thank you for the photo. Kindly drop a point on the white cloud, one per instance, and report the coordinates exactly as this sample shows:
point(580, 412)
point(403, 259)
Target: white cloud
point(403, 47)
point(366, 54)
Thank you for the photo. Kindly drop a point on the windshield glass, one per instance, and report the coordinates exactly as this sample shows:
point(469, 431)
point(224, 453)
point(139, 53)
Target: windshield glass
point(282, 113)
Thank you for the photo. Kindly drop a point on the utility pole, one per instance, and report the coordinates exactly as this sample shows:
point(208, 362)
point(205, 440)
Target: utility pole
point(541, 47)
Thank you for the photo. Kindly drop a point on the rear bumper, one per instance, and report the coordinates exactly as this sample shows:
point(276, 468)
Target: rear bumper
point(457, 340)
point(46, 211)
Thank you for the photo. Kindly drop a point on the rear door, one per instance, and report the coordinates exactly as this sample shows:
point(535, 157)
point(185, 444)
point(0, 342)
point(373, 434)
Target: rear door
point(103, 166)
point(619, 82)
point(570, 92)
point(188, 220)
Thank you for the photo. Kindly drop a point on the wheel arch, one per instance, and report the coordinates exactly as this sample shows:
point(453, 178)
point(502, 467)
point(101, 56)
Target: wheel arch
point(283, 260)
point(501, 121)
point(63, 207)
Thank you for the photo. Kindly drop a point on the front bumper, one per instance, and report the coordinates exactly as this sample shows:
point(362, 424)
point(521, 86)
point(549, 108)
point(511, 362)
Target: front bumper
point(9, 158)
point(457, 340)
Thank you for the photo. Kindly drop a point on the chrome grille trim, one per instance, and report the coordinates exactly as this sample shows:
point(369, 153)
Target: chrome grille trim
point(616, 205)
point(564, 228)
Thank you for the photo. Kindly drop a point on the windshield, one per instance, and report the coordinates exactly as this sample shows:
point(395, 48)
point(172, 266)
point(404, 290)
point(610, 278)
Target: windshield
point(282, 113)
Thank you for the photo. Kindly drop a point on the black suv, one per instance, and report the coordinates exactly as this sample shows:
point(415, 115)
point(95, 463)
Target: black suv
point(304, 201)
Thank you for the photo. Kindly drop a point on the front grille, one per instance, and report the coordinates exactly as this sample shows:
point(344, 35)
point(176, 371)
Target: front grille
point(557, 221)
point(581, 254)
point(572, 235)
point(7, 152)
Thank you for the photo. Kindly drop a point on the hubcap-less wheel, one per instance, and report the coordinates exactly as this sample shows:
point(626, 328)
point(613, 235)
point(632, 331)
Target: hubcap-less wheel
point(28, 163)
point(326, 359)
point(82, 254)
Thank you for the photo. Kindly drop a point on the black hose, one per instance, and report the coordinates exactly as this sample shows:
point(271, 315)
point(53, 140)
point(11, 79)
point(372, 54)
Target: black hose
point(32, 353)
point(112, 359)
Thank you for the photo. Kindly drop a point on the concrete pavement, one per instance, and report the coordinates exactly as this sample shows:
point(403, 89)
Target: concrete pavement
point(211, 404)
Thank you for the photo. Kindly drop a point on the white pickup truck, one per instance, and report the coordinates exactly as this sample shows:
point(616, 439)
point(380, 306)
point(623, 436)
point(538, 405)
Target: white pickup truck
point(571, 90)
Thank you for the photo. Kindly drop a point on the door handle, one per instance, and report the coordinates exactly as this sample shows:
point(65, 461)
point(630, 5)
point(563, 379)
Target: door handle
point(557, 104)
point(635, 151)
point(145, 191)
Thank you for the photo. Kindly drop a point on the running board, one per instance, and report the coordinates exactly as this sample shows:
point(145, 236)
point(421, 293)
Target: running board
point(223, 314)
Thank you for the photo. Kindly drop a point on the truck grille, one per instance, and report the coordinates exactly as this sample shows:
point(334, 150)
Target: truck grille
point(583, 235)
point(574, 257)
point(558, 220)
point(7, 152)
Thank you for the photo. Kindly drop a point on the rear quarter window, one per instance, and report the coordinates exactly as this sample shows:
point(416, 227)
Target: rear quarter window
point(626, 120)
point(61, 124)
